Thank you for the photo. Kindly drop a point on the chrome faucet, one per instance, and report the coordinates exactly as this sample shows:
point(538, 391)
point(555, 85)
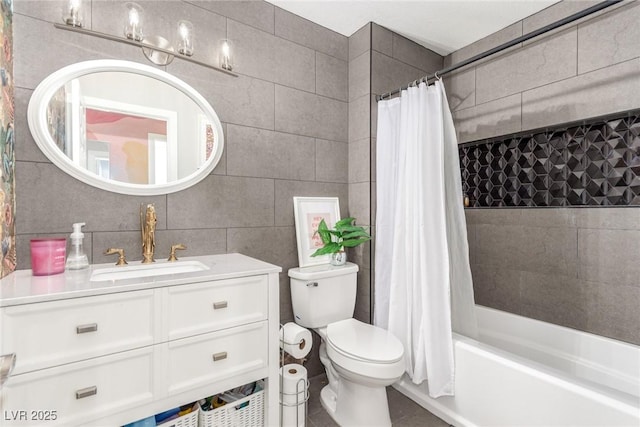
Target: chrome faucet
point(148, 222)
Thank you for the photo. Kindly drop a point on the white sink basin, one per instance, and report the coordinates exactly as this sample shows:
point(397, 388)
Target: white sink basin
point(146, 270)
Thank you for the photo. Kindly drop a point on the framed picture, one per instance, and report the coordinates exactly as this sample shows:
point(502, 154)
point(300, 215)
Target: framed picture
point(308, 212)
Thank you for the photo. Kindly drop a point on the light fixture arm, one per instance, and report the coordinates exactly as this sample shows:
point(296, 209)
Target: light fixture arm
point(141, 45)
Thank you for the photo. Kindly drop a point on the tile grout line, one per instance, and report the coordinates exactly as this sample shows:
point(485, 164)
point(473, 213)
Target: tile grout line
point(577, 50)
point(577, 252)
point(371, 156)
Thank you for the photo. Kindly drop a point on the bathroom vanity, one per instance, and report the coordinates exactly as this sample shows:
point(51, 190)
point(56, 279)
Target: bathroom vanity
point(110, 351)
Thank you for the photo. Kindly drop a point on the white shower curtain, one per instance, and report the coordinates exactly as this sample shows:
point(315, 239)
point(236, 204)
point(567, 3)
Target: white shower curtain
point(423, 286)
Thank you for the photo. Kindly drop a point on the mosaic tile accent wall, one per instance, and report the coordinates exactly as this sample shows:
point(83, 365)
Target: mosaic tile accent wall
point(595, 163)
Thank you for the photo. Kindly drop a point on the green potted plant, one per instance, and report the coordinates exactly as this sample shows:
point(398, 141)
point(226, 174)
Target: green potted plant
point(345, 235)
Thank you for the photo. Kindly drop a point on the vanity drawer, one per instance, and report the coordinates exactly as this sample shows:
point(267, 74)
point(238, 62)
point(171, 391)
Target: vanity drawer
point(205, 307)
point(78, 392)
point(204, 359)
point(48, 334)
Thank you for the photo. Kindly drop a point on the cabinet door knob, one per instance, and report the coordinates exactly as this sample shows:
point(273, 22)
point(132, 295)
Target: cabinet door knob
point(220, 304)
point(86, 392)
point(89, 327)
point(219, 356)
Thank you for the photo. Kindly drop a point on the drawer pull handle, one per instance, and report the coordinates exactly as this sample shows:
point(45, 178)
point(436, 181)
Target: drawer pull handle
point(86, 392)
point(220, 304)
point(219, 356)
point(90, 327)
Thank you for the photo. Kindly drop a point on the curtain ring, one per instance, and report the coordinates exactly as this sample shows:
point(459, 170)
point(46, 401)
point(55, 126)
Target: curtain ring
point(436, 75)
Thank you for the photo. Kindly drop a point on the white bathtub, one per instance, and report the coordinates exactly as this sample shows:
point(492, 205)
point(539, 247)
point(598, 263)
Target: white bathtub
point(526, 372)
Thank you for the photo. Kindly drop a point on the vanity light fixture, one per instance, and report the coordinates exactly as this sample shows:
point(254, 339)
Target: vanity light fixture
point(73, 13)
point(157, 49)
point(225, 55)
point(133, 27)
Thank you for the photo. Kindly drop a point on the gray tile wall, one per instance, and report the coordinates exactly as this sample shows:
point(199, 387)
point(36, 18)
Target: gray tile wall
point(359, 158)
point(573, 267)
point(552, 79)
point(389, 62)
point(285, 119)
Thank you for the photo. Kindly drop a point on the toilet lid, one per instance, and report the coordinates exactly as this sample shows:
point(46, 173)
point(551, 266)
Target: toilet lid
point(364, 342)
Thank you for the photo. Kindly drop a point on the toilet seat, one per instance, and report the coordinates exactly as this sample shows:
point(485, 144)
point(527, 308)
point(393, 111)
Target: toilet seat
point(364, 350)
point(364, 342)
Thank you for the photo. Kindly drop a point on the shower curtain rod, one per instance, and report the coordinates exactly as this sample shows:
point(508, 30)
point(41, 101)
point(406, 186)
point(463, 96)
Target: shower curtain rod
point(545, 29)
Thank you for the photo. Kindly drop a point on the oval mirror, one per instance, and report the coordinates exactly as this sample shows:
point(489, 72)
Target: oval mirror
point(125, 127)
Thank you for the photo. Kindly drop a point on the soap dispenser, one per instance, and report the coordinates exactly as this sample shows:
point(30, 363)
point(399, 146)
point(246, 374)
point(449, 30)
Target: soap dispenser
point(77, 259)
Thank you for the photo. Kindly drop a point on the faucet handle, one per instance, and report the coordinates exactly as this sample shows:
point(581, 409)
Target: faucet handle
point(172, 255)
point(7, 363)
point(120, 252)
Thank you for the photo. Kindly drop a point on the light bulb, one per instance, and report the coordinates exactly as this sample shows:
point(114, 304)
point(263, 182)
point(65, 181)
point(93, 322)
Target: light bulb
point(225, 55)
point(73, 13)
point(134, 17)
point(184, 31)
point(133, 27)
point(185, 38)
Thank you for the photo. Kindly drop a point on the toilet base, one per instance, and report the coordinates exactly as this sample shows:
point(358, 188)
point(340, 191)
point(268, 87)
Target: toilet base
point(358, 406)
point(328, 400)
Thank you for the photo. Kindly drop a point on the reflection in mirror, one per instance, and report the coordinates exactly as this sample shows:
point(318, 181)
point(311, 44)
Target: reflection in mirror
point(126, 131)
point(124, 127)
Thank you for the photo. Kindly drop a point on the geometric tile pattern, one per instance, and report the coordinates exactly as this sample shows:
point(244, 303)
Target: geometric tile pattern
point(594, 163)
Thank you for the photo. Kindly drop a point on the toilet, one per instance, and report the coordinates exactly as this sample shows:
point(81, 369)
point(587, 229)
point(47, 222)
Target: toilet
point(360, 359)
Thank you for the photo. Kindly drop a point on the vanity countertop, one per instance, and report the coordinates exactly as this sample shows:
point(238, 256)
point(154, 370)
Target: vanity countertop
point(21, 287)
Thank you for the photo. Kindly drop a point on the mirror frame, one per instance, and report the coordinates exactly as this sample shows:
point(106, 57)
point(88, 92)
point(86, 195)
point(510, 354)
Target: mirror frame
point(37, 119)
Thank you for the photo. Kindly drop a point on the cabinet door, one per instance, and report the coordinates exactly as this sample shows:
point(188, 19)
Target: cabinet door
point(48, 334)
point(211, 306)
point(204, 359)
point(81, 391)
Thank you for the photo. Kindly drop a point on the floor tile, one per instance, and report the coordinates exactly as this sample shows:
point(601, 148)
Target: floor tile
point(315, 385)
point(404, 412)
point(401, 407)
point(422, 419)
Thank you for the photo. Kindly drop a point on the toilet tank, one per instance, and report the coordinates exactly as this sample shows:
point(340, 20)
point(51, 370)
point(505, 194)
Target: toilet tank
point(323, 294)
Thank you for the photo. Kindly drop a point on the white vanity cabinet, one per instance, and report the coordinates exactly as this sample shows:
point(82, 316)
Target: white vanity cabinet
point(110, 353)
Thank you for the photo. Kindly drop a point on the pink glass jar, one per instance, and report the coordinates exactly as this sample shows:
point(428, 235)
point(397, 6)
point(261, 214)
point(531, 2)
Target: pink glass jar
point(48, 256)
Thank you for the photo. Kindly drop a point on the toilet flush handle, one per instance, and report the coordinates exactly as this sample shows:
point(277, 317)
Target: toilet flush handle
point(314, 284)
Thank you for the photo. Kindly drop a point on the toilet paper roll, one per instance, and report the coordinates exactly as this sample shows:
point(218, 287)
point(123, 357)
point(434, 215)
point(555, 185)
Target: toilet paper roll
point(295, 340)
point(293, 378)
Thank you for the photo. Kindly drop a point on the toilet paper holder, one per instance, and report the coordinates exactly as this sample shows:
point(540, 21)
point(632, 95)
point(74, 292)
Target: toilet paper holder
point(301, 344)
point(302, 389)
point(295, 340)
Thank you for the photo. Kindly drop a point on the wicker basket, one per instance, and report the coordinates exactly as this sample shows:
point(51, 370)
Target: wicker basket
point(188, 420)
point(246, 412)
